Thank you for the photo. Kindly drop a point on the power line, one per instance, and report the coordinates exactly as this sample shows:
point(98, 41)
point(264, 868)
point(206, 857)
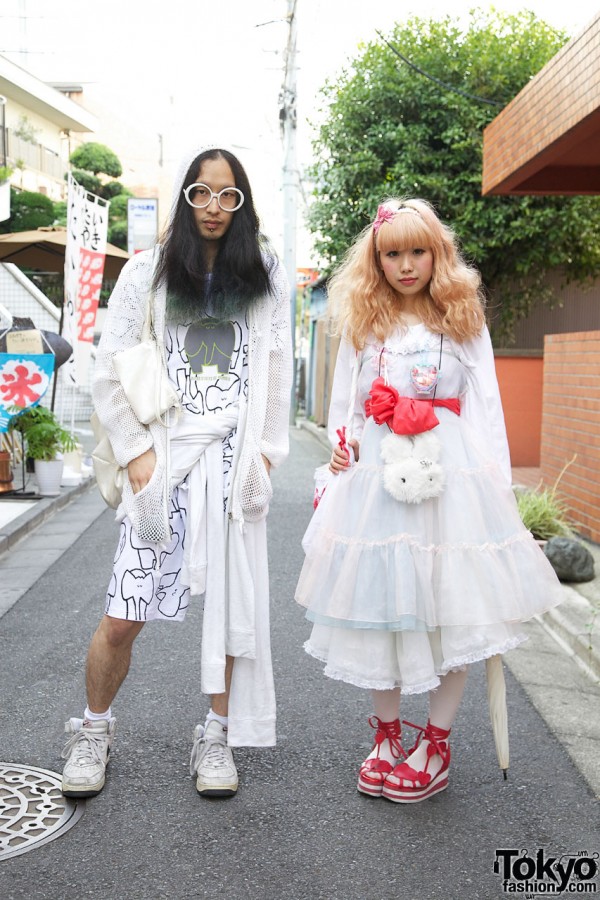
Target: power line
point(447, 87)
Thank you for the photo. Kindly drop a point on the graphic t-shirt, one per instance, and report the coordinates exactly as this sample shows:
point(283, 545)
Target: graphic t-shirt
point(207, 361)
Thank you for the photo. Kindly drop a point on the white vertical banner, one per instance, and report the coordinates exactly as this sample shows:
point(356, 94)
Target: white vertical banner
point(87, 228)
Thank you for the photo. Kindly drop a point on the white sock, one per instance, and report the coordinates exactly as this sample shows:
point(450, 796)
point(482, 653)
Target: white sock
point(97, 717)
point(215, 717)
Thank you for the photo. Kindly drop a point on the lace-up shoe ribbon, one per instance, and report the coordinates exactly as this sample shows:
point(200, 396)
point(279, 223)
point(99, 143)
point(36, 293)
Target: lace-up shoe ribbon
point(389, 731)
point(375, 769)
point(437, 738)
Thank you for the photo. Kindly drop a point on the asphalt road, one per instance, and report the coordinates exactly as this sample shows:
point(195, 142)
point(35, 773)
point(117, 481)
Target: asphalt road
point(297, 829)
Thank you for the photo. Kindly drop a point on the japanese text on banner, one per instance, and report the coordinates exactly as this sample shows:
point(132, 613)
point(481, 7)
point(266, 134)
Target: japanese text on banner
point(87, 227)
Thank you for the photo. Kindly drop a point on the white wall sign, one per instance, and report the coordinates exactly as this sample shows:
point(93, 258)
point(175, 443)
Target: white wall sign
point(142, 223)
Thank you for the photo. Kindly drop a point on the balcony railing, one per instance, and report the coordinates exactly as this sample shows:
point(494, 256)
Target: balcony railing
point(35, 156)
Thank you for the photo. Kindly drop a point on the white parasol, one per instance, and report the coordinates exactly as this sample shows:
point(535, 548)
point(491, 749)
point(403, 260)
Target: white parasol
point(496, 690)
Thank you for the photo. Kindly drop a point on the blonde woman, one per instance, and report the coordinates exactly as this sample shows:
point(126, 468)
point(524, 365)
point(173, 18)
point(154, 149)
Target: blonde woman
point(417, 563)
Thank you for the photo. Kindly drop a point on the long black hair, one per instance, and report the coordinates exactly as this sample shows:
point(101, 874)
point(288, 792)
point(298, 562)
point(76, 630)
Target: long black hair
point(239, 274)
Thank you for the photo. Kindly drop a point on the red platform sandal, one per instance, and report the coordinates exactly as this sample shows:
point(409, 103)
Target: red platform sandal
point(374, 770)
point(405, 784)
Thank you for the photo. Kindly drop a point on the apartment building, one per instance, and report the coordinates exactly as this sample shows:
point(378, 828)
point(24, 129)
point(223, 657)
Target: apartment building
point(40, 126)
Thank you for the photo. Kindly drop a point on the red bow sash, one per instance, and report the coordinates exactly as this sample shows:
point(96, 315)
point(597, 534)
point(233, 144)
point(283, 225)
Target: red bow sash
point(405, 415)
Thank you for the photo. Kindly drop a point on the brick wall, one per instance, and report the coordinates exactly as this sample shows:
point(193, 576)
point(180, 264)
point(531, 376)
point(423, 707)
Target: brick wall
point(540, 123)
point(571, 424)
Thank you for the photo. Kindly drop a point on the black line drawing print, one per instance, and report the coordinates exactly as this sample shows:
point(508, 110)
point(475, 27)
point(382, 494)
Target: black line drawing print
point(137, 590)
point(171, 598)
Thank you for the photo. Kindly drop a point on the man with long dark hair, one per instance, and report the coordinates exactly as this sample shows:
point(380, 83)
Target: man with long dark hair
point(196, 495)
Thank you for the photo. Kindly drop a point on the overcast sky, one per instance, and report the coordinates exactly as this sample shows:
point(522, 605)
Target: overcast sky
point(189, 69)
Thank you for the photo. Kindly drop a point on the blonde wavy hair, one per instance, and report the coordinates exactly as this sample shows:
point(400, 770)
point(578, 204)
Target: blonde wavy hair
point(362, 303)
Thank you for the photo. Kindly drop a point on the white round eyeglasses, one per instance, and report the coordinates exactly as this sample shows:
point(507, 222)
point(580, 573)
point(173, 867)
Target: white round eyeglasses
point(200, 196)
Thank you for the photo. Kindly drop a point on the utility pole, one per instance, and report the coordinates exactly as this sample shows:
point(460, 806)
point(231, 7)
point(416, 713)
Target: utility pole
point(288, 125)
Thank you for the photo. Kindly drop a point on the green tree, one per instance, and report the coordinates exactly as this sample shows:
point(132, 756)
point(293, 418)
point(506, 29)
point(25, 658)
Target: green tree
point(28, 210)
point(97, 158)
point(88, 181)
point(92, 161)
point(389, 130)
point(26, 131)
point(117, 219)
point(60, 212)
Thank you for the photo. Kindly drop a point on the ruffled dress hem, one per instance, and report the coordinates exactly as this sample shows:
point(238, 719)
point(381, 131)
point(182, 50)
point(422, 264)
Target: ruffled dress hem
point(422, 687)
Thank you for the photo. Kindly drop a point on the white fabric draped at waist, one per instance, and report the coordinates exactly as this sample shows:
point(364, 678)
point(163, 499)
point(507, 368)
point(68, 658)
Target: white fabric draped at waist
point(229, 614)
point(192, 434)
point(196, 450)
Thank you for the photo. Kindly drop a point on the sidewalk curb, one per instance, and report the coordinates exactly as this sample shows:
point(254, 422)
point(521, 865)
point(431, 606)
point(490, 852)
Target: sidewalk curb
point(318, 431)
point(40, 513)
point(571, 624)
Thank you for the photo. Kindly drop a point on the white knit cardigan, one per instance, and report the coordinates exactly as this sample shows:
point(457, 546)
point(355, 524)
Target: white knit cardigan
point(263, 425)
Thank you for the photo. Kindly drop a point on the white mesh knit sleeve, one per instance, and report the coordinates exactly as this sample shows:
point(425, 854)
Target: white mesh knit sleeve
point(274, 441)
point(267, 427)
point(122, 328)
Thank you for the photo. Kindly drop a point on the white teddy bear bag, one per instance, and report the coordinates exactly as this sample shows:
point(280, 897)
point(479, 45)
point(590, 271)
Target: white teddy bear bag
point(410, 452)
point(412, 472)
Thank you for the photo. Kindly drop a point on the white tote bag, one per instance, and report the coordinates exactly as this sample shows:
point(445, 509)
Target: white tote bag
point(143, 374)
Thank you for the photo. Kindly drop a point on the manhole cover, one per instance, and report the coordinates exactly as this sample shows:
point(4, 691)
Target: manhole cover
point(33, 810)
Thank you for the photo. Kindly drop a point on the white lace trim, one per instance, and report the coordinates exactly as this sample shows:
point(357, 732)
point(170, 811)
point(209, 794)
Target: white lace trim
point(408, 539)
point(407, 343)
point(456, 665)
point(460, 662)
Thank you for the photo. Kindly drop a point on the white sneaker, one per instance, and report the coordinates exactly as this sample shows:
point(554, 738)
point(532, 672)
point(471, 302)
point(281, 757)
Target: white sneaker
point(212, 761)
point(86, 752)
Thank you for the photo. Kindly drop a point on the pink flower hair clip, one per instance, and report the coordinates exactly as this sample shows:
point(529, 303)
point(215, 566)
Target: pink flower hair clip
point(385, 214)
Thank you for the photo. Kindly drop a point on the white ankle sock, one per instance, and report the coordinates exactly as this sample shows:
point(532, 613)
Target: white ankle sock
point(97, 717)
point(215, 717)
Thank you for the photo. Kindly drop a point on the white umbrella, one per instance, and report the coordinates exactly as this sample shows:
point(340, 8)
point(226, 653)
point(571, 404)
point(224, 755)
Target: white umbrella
point(496, 690)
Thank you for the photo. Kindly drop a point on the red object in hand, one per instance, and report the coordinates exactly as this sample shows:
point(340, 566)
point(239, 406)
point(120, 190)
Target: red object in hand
point(319, 491)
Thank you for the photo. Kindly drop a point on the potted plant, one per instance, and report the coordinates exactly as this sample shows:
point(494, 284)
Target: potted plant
point(543, 513)
point(45, 439)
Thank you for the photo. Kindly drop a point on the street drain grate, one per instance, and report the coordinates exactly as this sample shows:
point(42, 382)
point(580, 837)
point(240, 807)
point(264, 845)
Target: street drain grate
point(33, 810)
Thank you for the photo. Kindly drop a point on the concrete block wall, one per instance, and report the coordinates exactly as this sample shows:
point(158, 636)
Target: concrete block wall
point(571, 424)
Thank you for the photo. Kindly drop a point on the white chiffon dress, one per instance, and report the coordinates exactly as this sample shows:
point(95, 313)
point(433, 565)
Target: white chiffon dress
point(401, 593)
